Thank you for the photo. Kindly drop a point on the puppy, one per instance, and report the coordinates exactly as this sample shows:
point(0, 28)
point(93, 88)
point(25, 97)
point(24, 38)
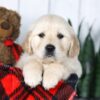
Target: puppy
point(51, 52)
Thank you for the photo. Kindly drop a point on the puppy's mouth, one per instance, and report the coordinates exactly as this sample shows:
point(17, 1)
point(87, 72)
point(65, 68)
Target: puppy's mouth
point(49, 58)
point(49, 54)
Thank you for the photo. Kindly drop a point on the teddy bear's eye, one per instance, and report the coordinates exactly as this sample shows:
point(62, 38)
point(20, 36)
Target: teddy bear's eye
point(60, 36)
point(41, 35)
point(5, 25)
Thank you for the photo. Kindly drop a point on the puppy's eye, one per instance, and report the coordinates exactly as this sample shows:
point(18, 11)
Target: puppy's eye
point(41, 35)
point(60, 36)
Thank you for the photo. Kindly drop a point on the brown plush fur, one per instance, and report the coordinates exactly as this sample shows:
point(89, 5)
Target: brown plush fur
point(13, 19)
point(6, 55)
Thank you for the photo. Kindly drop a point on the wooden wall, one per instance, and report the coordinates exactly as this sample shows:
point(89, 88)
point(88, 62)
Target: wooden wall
point(76, 10)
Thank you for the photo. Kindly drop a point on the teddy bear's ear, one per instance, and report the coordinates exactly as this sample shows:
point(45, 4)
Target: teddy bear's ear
point(4, 13)
point(26, 45)
point(14, 20)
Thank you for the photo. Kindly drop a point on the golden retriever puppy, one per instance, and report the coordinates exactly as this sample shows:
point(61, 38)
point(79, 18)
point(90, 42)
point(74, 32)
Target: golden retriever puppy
point(51, 52)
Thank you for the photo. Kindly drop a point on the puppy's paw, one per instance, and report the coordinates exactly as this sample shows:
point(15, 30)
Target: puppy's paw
point(50, 81)
point(53, 73)
point(32, 77)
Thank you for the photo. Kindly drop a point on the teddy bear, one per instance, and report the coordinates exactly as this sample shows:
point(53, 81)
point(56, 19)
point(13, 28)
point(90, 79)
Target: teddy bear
point(9, 32)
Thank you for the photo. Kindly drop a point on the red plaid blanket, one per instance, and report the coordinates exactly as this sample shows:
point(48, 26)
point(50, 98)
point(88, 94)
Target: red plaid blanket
point(12, 87)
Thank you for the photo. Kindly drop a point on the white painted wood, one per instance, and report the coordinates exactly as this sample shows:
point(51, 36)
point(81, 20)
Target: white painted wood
point(10, 4)
point(76, 10)
point(90, 11)
point(66, 9)
point(30, 10)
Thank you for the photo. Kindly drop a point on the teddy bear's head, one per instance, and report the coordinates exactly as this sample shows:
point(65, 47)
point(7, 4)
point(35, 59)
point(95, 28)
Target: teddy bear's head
point(9, 24)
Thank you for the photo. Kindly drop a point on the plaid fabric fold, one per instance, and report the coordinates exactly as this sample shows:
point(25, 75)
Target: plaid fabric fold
point(12, 87)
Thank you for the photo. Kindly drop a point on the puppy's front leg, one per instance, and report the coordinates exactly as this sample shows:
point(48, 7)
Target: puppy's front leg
point(53, 73)
point(32, 72)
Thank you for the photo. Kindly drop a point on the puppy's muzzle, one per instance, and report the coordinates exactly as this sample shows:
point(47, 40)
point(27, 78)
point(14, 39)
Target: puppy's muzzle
point(50, 50)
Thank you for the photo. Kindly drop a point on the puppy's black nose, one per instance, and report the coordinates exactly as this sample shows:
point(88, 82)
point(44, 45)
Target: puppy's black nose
point(50, 48)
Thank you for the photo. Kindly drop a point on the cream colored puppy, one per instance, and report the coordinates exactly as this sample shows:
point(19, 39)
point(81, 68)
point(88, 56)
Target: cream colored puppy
point(51, 52)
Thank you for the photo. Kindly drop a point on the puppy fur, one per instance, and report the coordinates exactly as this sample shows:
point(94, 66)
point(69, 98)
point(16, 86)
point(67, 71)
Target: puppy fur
point(49, 70)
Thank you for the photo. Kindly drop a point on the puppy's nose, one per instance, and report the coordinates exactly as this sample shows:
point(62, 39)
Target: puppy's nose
point(50, 48)
point(5, 25)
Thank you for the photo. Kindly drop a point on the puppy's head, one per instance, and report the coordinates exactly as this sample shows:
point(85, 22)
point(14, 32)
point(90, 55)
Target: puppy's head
point(51, 38)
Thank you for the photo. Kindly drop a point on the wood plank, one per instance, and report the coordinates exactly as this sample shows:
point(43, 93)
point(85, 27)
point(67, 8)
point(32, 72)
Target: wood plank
point(66, 9)
point(10, 4)
point(30, 10)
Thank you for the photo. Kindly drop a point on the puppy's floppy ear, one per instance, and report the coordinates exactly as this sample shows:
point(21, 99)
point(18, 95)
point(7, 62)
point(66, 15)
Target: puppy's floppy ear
point(74, 46)
point(26, 45)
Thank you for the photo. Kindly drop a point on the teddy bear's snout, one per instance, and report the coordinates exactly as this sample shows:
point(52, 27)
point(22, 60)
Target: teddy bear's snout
point(5, 25)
